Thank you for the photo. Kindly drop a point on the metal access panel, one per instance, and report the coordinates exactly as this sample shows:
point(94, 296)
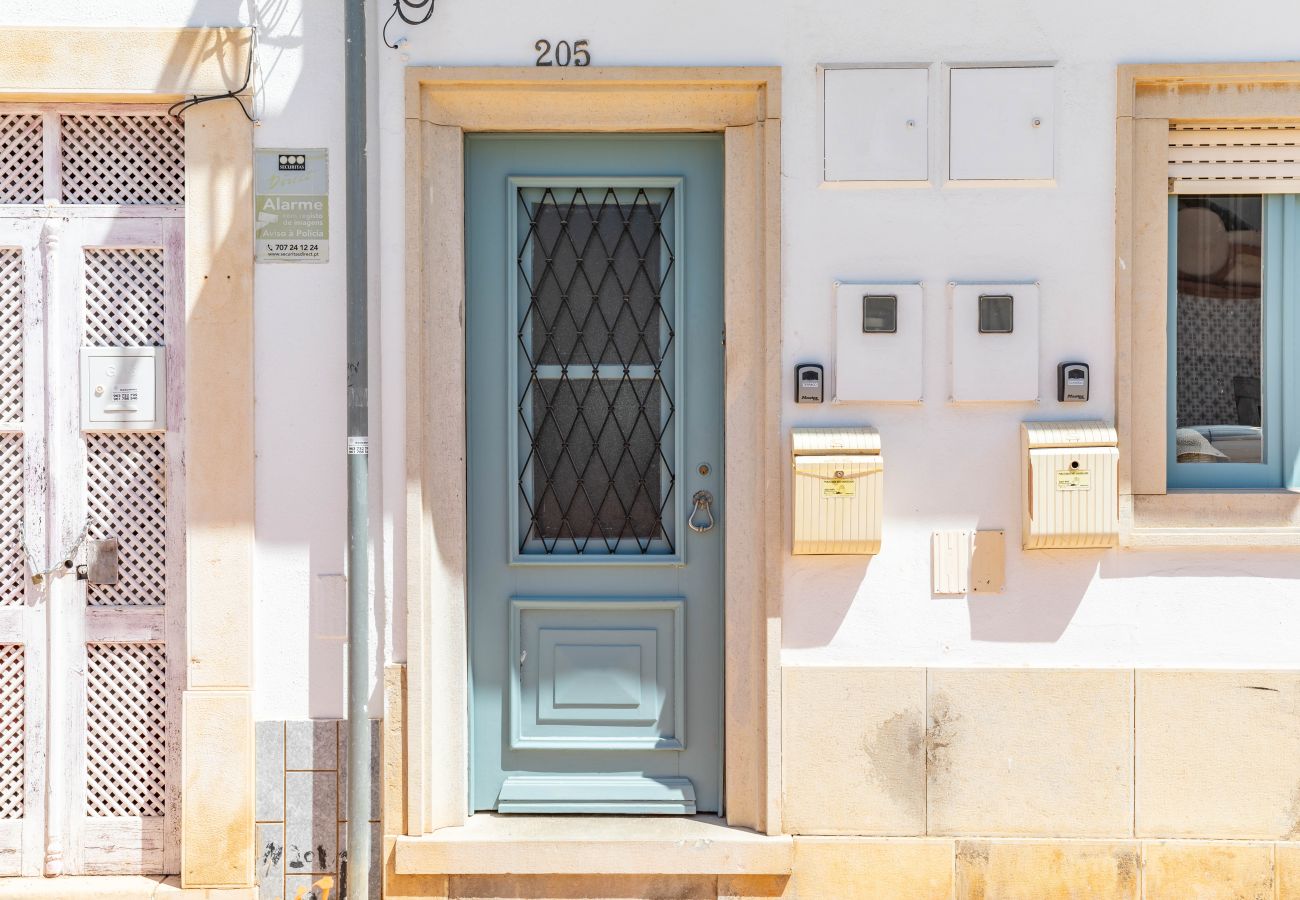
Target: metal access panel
point(876, 122)
point(1001, 122)
point(994, 342)
point(879, 342)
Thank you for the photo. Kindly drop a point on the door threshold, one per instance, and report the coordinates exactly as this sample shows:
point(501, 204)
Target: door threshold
point(628, 795)
point(495, 844)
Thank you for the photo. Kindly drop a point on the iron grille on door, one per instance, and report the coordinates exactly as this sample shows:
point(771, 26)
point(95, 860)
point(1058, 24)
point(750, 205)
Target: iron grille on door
point(126, 744)
point(124, 297)
point(11, 336)
point(13, 568)
point(122, 158)
point(22, 165)
point(126, 488)
point(13, 724)
point(595, 361)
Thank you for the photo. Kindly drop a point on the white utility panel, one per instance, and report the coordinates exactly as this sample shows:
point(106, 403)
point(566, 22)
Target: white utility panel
point(1001, 123)
point(876, 124)
point(123, 389)
point(994, 355)
point(873, 362)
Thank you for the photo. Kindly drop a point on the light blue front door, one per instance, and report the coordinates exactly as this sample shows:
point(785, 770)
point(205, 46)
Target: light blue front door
point(594, 397)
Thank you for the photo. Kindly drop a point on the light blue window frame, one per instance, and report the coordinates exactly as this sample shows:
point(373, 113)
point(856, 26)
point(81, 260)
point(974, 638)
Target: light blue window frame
point(1281, 362)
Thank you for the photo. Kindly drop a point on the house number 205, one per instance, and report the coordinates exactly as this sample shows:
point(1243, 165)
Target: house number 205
point(562, 54)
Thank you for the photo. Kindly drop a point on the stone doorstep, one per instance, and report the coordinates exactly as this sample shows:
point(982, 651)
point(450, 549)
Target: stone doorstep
point(115, 887)
point(594, 845)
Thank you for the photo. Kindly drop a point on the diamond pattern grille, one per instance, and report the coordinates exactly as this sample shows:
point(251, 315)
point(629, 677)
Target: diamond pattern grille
point(126, 719)
point(131, 160)
point(13, 564)
point(22, 163)
point(11, 335)
point(124, 297)
point(595, 348)
point(126, 486)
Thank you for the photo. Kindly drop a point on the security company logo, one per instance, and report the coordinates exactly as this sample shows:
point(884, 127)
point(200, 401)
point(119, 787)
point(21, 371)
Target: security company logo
point(290, 162)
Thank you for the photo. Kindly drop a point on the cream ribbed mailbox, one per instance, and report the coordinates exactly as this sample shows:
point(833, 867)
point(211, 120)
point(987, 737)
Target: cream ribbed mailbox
point(1071, 485)
point(839, 479)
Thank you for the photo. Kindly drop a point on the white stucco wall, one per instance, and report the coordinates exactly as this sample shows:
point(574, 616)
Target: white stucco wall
point(948, 467)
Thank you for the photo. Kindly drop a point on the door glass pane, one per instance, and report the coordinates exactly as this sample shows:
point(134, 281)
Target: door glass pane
point(595, 360)
point(1220, 315)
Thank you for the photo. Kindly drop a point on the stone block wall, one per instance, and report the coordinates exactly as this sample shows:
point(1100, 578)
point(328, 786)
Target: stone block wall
point(302, 809)
point(1031, 783)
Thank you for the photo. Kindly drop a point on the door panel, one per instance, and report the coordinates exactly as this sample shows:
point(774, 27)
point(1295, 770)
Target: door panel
point(23, 483)
point(122, 286)
point(598, 674)
point(594, 398)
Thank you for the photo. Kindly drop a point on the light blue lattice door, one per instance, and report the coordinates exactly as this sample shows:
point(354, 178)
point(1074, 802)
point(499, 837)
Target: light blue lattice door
point(594, 396)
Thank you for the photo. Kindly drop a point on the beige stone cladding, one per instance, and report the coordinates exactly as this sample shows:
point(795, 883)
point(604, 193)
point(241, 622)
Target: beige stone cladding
point(842, 868)
point(854, 751)
point(1218, 755)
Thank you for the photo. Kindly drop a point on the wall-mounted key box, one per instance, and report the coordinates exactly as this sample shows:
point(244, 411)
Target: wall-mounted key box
point(839, 477)
point(123, 389)
point(1071, 485)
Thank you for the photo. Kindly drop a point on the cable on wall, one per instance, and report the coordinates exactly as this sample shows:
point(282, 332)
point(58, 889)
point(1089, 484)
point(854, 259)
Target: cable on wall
point(179, 108)
point(412, 12)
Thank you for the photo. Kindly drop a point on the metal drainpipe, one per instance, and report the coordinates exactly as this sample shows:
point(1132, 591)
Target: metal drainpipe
point(354, 64)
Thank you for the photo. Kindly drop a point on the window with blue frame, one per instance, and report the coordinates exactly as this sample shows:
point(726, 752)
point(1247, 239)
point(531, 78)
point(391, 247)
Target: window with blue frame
point(1234, 341)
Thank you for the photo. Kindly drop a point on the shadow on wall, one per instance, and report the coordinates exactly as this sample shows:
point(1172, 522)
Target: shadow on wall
point(836, 585)
point(1034, 617)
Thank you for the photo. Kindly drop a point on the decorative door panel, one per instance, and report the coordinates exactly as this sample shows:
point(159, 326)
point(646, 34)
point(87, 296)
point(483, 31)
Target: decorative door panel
point(124, 278)
point(22, 534)
point(594, 397)
point(597, 674)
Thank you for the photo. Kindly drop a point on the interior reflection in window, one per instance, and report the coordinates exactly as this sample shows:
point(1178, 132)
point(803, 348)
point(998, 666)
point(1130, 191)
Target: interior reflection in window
point(1219, 329)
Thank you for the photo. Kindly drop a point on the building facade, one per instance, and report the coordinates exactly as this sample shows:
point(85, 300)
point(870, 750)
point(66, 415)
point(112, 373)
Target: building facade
point(819, 451)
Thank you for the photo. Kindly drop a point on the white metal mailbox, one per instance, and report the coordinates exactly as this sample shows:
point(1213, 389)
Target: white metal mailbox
point(839, 476)
point(1071, 485)
point(123, 389)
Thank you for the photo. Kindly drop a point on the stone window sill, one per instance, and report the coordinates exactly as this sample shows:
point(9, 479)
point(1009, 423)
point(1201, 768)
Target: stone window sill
point(1262, 519)
point(594, 845)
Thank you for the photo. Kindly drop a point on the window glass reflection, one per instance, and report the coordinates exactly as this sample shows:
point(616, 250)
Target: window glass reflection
point(1219, 329)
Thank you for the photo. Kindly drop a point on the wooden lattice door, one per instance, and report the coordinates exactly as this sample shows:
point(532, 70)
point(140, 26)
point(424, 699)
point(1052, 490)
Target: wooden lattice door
point(91, 674)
